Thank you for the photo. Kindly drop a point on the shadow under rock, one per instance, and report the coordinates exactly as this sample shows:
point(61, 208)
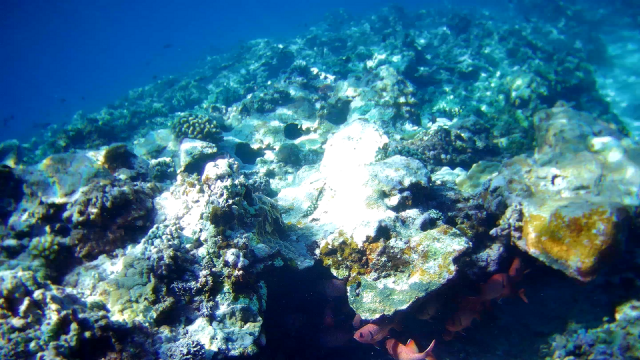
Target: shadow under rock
point(302, 322)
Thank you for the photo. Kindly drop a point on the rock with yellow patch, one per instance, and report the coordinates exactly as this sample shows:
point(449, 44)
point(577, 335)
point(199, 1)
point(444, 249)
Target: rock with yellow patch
point(574, 192)
point(570, 236)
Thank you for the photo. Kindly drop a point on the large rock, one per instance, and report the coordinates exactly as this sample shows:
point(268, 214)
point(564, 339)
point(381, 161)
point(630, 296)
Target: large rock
point(365, 215)
point(574, 192)
point(194, 155)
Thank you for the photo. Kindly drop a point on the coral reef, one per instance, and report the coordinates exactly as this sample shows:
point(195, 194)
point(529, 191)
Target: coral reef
point(40, 320)
point(364, 211)
point(392, 166)
point(615, 340)
point(105, 216)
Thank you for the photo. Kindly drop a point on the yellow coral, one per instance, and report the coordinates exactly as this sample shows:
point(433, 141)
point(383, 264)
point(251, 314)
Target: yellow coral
point(571, 240)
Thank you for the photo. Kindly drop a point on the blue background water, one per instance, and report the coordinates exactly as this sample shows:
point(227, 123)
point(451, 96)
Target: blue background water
point(59, 57)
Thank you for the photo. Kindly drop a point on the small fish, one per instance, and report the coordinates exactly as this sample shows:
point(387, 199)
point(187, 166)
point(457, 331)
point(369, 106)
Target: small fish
point(473, 304)
point(516, 271)
point(62, 100)
point(372, 333)
point(500, 286)
point(497, 287)
point(461, 320)
point(522, 296)
point(428, 310)
point(82, 98)
point(167, 46)
point(409, 351)
point(357, 321)
point(155, 77)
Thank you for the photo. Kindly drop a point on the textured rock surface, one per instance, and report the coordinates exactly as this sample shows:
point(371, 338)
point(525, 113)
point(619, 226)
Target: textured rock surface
point(363, 214)
point(617, 340)
point(575, 192)
point(379, 138)
point(213, 236)
point(194, 155)
point(40, 320)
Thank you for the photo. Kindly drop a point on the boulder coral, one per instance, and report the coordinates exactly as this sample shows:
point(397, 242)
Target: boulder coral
point(198, 126)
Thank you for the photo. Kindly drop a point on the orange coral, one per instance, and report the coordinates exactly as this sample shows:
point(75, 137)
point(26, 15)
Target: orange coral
point(574, 243)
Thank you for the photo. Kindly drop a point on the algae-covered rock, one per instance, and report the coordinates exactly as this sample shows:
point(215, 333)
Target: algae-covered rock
point(617, 340)
point(266, 101)
point(335, 111)
point(575, 193)
point(402, 270)
point(570, 236)
point(363, 212)
point(40, 320)
point(159, 143)
point(457, 143)
point(59, 176)
point(472, 181)
point(162, 169)
point(107, 215)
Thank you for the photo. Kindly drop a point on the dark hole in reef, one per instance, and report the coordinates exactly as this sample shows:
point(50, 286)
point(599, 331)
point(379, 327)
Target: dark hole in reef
point(295, 320)
point(62, 264)
point(382, 232)
point(428, 221)
point(99, 347)
point(292, 131)
point(11, 192)
point(247, 154)
point(248, 196)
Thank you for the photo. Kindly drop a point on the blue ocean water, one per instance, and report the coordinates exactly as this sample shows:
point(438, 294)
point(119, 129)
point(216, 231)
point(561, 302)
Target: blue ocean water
point(59, 57)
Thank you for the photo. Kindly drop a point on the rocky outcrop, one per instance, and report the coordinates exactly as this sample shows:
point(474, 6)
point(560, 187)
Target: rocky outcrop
point(366, 218)
point(574, 194)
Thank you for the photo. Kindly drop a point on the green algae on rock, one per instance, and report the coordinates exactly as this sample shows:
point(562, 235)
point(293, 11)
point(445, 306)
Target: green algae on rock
point(401, 271)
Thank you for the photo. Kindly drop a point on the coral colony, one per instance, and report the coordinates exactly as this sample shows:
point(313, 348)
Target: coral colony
point(411, 185)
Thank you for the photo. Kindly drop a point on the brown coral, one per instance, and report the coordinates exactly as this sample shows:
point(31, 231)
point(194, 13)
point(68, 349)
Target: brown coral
point(106, 215)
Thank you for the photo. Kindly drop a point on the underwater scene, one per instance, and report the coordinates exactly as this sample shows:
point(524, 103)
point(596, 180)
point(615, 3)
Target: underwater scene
point(430, 180)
